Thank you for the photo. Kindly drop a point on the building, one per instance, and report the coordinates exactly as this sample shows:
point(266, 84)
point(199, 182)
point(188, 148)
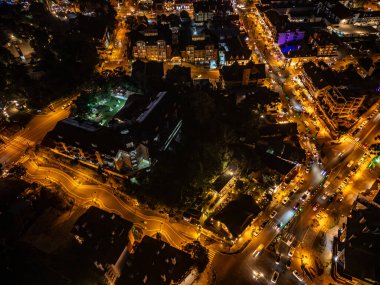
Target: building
point(151, 43)
point(183, 5)
point(340, 106)
point(324, 43)
point(282, 30)
point(129, 142)
point(315, 77)
point(105, 238)
point(206, 10)
point(335, 12)
point(236, 216)
point(156, 262)
point(199, 52)
point(237, 75)
point(357, 246)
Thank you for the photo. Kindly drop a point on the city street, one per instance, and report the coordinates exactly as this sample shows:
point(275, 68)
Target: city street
point(33, 133)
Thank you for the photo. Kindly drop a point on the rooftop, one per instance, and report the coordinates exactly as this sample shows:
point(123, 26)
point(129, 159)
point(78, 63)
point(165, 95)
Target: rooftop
point(103, 234)
point(362, 243)
point(155, 262)
point(238, 214)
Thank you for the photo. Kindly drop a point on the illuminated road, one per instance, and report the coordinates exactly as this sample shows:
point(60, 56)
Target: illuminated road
point(32, 134)
point(243, 268)
point(177, 234)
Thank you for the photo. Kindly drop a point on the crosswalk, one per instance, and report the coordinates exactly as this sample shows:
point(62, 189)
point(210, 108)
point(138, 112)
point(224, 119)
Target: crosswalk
point(211, 255)
point(357, 143)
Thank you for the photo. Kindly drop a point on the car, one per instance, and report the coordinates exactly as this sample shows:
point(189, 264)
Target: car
point(274, 213)
point(285, 200)
point(291, 251)
point(315, 207)
point(302, 181)
point(304, 197)
point(278, 259)
point(264, 224)
point(324, 196)
point(275, 277)
point(258, 250)
point(289, 263)
point(297, 275)
point(296, 206)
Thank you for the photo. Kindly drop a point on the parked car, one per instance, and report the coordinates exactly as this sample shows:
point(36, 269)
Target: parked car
point(275, 276)
point(297, 275)
point(291, 251)
point(289, 263)
point(274, 213)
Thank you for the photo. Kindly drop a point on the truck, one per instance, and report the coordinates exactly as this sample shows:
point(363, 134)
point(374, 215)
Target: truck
point(350, 163)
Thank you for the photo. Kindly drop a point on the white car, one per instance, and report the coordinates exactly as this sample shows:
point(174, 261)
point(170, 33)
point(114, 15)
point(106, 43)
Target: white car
point(297, 275)
point(324, 196)
point(274, 213)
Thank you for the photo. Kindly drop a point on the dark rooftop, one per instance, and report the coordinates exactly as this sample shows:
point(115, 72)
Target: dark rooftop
point(235, 71)
point(362, 243)
point(221, 181)
point(104, 235)
point(238, 214)
point(155, 262)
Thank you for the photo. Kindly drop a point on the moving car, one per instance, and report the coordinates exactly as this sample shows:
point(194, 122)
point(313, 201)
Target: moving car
point(275, 276)
point(303, 198)
point(258, 250)
point(296, 206)
point(278, 258)
point(274, 213)
point(315, 207)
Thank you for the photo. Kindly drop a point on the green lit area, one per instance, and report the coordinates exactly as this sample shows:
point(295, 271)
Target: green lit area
point(103, 107)
point(374, 162)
